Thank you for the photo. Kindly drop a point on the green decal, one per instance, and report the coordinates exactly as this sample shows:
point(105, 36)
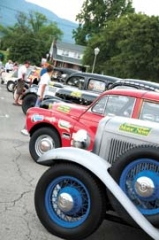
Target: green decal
point(63, 108)
point(132, 128)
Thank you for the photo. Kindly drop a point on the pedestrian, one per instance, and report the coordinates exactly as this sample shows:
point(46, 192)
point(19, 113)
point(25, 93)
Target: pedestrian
point(15, 66)
point(43, 69)
point(44, 85)
point(9, 66)
point(42, 90)
point(21, 81)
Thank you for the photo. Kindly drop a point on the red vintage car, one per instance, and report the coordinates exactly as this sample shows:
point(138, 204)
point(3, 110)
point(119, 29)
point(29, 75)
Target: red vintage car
point(52, 128)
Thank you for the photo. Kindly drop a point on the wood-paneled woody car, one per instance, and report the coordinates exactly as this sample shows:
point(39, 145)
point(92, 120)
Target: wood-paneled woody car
point(52, 128)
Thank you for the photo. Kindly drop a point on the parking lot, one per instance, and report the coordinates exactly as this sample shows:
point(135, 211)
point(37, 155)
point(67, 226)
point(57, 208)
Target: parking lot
point(18, 178)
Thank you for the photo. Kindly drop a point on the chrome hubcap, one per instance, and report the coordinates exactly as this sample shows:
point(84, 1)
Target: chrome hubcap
point(45, 144)
point(144, 187)
point(65, 202)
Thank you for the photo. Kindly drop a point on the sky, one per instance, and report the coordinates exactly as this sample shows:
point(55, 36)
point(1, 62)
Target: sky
point(61, 8)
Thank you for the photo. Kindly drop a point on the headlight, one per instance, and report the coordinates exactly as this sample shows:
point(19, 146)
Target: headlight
point(80, 139)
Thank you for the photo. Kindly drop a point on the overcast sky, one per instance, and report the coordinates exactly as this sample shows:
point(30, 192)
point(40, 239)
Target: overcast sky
point(68, 9)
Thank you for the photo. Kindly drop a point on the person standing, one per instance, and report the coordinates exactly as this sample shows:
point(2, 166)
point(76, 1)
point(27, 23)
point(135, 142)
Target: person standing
point(21, 81)
point(43, 69)
point(9, 66)
point(44, 85)
point(42, 90)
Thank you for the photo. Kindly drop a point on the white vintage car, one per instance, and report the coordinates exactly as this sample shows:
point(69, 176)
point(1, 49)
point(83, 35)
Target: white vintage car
point(120, 175)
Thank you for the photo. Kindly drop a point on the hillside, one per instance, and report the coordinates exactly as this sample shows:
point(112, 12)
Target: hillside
point(9, 10)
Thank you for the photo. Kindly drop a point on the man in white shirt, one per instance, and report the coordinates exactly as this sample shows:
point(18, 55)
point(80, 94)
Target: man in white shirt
point(21, 81)
point(44, 85)
point(9, 66)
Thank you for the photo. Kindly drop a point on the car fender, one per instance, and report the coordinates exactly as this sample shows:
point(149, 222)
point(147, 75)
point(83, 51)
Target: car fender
point(99, 167)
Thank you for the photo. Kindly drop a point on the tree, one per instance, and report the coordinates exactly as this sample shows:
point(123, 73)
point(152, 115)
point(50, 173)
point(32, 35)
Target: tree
point(95, 15)
point(30, 38)
point(129, 48)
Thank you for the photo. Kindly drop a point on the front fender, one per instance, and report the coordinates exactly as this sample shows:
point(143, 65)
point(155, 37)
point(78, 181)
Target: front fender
point(85, 158)
point(99, 167)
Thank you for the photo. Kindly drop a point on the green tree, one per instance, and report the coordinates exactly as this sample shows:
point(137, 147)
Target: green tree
point(94, 16)
point(30, 38)
point(129, 48)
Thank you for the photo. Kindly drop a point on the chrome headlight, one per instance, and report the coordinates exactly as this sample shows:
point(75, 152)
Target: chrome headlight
point(80, 139)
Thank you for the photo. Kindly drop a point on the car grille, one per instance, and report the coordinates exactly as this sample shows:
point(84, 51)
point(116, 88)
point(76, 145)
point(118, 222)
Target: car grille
point(116, 148)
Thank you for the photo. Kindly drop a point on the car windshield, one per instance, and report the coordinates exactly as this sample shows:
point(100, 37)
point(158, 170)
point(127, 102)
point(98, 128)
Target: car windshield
point(15, 74)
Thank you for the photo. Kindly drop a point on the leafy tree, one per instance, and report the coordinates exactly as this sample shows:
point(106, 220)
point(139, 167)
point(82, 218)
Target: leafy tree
point(95, 15)
point(129, 48)
point(30, 38)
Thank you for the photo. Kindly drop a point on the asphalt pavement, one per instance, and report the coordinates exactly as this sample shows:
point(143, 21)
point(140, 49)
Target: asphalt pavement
point(19, 175)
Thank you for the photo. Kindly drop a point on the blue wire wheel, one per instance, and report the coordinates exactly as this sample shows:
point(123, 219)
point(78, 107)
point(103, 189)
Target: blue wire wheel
point(140, 181)
point(67, 201)
point(70, 201)
point(137, 172)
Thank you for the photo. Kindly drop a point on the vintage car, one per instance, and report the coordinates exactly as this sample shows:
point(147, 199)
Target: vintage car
point(53, 128)
point(118, 180)
point(136, 83)
point(31, 77)
point(80, 88)
point(61, 73)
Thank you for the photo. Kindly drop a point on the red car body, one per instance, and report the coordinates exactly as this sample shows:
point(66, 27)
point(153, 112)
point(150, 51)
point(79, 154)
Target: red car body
point(67, 119)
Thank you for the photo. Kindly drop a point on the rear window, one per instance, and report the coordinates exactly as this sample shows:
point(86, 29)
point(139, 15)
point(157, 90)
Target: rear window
point(150, 111)
point(97, 86)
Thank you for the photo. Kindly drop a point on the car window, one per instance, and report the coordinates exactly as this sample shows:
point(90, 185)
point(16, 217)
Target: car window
point(119, 106)
point(76, 81)
point(149, 111)
point(95, 85)
point(100, 106)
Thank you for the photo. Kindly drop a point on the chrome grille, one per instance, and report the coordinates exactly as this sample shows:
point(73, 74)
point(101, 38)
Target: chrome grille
point(116, 148)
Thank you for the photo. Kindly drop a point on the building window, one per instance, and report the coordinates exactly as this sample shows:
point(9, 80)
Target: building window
point(77, 55)
point(65, 53)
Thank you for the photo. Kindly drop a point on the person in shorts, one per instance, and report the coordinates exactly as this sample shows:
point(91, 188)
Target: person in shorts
point(43, 88)
point(21, 81)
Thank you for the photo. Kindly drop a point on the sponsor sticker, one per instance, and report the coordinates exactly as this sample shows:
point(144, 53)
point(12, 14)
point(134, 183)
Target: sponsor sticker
point(136, 129)
point(63, 108)
point(64, 125)
point(76, 94)
point(37, 118)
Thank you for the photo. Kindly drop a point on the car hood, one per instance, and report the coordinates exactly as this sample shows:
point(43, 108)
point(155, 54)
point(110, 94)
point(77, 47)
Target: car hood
point(72, 110)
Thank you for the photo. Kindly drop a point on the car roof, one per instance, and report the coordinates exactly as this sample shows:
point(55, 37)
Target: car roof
point(66, 70)
point(138, 84)
point(137, 93)
point(145, 82)
point(95, 75)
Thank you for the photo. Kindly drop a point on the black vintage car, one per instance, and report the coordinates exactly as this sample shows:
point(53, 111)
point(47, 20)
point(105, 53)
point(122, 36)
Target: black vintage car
point(80, 88)
point(136, 83)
